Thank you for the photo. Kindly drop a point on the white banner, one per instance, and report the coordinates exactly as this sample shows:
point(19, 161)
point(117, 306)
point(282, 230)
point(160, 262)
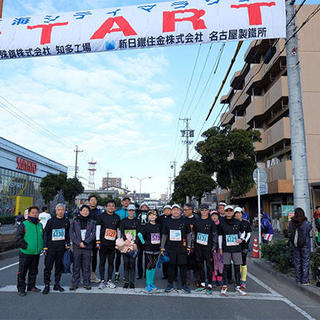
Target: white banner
point(143, 26)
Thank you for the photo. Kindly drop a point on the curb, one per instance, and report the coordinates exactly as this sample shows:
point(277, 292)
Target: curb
point(311, 291)
point(9, 254)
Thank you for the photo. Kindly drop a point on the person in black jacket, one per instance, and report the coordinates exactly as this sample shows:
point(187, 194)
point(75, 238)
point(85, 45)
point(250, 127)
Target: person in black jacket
point(108, 225)
point(56, 240)
point(82, 235)
point(231, 234)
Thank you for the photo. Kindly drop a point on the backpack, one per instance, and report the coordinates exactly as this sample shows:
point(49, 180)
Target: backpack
point(299, 238)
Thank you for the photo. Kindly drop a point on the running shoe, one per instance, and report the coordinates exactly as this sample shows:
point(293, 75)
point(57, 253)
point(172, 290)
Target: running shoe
point(57, 287)
point(131, 285)
point(199, 289)
point(73, 288)
point(148, 288)
point(169, 288)
point(224, 290)
point(94, 278)
point(243, 285)
point(87, 287)
point(22, 293)
point(110, 284)
point(185, 289)
point(153, 286)
point(116, 277)
point(102, 285)
point(209, 291)
point(305, 283)
point(126, 285)
point(241, 291)
point(34, 289)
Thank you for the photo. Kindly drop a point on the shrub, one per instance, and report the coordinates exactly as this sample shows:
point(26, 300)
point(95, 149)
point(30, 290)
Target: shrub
point(280, 253)
point(315, 261)
point(7, 219)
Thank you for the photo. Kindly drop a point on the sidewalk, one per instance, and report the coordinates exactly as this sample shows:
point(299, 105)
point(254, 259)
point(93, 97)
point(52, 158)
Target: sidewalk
point(7, 237)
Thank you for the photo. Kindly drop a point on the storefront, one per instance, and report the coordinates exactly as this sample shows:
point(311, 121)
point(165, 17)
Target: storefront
point(21, 172)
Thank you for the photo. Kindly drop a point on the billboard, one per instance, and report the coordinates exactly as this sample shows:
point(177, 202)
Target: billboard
point(141, 26)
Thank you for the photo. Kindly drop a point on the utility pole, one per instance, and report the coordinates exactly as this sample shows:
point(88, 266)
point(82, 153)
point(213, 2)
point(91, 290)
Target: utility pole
point(76, 162)
point(173, 165)
point(187, 133)
point(298, 137)
point(170, 194)
point(108, 173)
point(1, 8)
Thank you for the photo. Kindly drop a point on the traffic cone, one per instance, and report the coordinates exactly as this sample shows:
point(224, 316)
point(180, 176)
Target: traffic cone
point(255, 249)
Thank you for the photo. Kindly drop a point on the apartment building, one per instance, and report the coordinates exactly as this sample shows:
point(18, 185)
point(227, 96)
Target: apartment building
point(109, 182)
point(258, 99)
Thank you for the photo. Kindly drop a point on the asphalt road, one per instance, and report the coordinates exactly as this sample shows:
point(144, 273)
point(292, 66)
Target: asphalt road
point(268, 298)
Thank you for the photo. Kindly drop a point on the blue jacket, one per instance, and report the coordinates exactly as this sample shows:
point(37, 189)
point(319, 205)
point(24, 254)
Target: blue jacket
point(75, 234)
point(266, 226)
point(122, 213)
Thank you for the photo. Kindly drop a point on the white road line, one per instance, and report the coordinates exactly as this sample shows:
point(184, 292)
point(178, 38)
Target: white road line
point(281, 297)
point(9, 266)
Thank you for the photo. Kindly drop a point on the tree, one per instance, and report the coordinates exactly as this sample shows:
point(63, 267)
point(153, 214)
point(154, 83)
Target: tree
point(193, 180)
point(71, 188)
point(230, 155)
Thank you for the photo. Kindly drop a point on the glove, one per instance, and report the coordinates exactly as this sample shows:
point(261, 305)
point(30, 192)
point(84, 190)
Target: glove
point(98, 245)
point(45, 251)
point(163, 251)
point(188, 251)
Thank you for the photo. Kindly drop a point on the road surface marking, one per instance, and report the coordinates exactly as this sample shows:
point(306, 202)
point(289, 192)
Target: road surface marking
point(9, 266)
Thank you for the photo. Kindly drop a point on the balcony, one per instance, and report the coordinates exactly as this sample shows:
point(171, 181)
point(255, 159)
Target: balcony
point(281, 171)
point(253, 77)
point(255, 108)
point(226, 117)
point(259, 146)
point(239, 123)
point(240, 99)
point(236, 81)
point(278, 132)
point(276, 93)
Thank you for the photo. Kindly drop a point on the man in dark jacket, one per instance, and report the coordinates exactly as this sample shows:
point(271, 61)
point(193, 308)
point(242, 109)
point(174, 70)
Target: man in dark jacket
point(30, 240)
point(82, 235)
point(56, 241)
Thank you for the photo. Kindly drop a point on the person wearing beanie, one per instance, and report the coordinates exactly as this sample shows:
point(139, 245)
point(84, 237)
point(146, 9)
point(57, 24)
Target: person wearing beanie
point(107, 227)
point(56, 240)
point(238, 214)
point(150, 238)
point(82, 235)
point(30, 240)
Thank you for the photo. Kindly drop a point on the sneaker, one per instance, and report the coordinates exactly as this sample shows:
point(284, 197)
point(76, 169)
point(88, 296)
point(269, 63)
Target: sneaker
point(73, 288)
point(46, 289)
point(22, 293)
point(102, 285)
point(305, 283)
point(199, 289)
point(209, 291)
point(111, 285)
point(243, 285)
point(224, 290)
point(131, 285)
point(94, 278)
point(148, 288)
point(57, 287)
point(169, 288)
point(34, 289)
point(87, 287)
point(153, 286)
point(126, 285)
point(209, 285)
point(185, 289)
point(116, 277)
point(241, 291)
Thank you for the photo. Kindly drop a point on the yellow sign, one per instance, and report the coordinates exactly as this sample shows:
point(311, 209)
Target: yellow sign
point(22, 203)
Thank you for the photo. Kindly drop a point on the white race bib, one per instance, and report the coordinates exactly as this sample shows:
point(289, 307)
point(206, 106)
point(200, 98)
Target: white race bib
point(202, 238)
point(231, 240)
point(58, 234)
point(175, 235)
point(83, 234)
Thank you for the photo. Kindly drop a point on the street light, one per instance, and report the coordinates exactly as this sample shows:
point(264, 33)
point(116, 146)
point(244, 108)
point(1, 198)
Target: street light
point(140, 181)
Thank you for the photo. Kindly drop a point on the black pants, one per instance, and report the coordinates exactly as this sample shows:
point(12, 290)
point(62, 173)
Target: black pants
point(203, 256)
point(129, 268)
point(177, 260)
point(227, 270)
point(244, 257)
point(27, 264)
point(151, 260)
point(140, 261)
point(106, 253)
point(81, 261)
point(53, 257)
point(165, 266)
point(94, 258)
point(118, 260)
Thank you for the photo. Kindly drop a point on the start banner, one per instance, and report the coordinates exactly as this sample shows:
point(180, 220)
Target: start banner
point(142, 26)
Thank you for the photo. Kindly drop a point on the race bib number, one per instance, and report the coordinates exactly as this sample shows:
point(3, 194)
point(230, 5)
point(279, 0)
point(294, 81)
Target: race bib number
point(58, 234)
point(202, 238)
point(155, 238)
point(110, 234)
point(175, 235)
point(83, 234)
point(231, 240)
point(132, 232)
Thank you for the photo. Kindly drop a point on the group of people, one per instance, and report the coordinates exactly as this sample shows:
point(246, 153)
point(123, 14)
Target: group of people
point(204, 245)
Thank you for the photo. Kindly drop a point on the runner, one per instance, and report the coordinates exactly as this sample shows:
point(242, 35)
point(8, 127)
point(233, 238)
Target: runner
point(238, 214)
point(143, 218)
point(176, 239)
point(221, 210)
point(130, 225)
point(108, 224)
point(163, 219)
point(231, 234)
point(150, 237)
point(94, 213)
point(266, 228)
point(30, 240)
point(82, 235)
point(56, 240)
point(205, 235)
point(191, 260)
point(122, 213)
point(217, 257)
point(44, 217)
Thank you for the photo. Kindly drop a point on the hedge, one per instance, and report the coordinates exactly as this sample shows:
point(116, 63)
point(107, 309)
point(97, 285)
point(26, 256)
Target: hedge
point(7, 219)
